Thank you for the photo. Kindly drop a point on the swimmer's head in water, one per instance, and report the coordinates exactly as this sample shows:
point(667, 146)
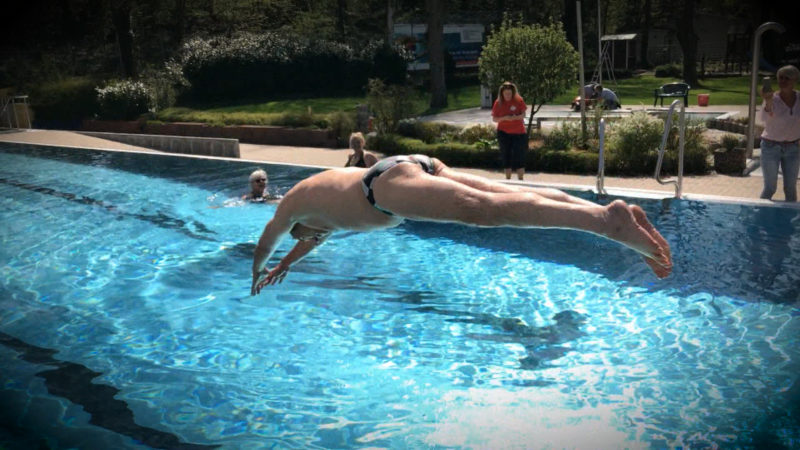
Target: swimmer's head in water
point(304, 233)
point(258, 182)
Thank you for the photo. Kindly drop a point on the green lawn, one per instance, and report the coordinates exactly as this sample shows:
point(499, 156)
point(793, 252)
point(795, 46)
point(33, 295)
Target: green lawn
point(639, 90)
point(631, 91)
point(275, 112)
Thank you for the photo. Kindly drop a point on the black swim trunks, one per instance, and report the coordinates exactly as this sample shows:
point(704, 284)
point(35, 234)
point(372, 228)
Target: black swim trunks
point(387, 163)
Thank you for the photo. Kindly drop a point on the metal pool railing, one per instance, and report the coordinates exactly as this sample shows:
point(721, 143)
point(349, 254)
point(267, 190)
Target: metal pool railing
point(601, 163)
point(681, 142)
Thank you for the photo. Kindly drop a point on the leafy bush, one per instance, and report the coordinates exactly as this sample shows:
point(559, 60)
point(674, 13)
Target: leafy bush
point(341, 125)
point(389, 103)
point(560, 161)
point(564, 136)
point(165, 85)
point(669, 71)
point(452, 153)
point(478, 133)
point(730, 141)
point(428, 132)
point(123, 100)
point(633, 143)
point(695, 151)
point(67, 100)
point(261, 65)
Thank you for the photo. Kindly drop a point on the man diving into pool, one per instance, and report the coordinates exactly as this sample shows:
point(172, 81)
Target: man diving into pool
point(421, 188)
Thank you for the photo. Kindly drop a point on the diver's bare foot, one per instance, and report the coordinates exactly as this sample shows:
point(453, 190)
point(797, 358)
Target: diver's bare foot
point(624, 227)
point(641, 219)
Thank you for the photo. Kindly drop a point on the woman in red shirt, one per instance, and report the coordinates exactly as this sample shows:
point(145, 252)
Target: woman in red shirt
point(508, 113)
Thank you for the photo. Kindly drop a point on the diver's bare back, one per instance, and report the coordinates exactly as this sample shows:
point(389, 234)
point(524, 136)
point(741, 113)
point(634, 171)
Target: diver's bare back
point(332, 200)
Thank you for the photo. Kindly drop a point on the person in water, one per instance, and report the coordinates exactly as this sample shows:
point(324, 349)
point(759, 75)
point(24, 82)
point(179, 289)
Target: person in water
point(359, 157)
point(418, 187)
point(258, 188)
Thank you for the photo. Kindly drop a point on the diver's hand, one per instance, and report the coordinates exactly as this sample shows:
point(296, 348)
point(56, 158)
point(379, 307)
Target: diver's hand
point(255, 287)
point(274, 276)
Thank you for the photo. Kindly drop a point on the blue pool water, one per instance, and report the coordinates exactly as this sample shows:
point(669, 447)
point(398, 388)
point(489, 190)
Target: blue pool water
point(126, 322)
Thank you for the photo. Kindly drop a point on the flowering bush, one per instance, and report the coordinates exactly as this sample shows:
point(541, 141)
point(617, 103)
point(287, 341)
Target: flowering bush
point(123, 100)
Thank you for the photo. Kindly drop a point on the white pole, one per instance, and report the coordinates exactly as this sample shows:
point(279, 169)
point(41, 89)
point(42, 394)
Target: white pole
point(580, 74)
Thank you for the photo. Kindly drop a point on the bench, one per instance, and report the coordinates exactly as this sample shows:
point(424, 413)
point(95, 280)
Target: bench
point(672, 90)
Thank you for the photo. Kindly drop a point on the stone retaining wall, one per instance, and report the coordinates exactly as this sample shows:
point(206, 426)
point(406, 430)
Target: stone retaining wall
point(253, 134)
point(189, 145)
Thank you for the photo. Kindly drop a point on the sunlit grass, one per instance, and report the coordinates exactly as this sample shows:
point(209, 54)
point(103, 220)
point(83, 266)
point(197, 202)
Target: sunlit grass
point(638, 90)
point(632, 91)
point(274, 112)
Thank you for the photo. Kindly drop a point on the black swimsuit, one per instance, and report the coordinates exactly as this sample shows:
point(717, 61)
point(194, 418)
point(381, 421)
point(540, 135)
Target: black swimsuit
point(360, 163)
point(387, 163)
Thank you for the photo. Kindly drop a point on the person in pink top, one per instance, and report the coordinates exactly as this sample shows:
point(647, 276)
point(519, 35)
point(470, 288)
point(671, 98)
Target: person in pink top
point(780, 113)
point(508, 113)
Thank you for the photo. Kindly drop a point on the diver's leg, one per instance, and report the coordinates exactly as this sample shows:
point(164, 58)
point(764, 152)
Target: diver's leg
point(487, 185)
point(409, 192)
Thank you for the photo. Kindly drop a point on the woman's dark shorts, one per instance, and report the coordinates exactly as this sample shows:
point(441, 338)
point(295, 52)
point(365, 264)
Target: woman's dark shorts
point(512, 149)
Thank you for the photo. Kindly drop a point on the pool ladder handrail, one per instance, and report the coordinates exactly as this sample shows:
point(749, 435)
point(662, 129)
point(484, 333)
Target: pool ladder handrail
point(681, 142)
point(4, 109)
point(8, 106)
point(601, 163)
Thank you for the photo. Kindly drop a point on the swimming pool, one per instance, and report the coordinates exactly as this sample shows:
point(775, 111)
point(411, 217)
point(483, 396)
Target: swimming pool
point(126, 322)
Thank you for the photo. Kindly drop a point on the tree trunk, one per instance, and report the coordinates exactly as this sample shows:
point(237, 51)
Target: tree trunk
point(645, 33)
point(688, 41)
point(178, 22)
point(341, 12)
point(121, 17)
point(435, 10)
point(390, 4)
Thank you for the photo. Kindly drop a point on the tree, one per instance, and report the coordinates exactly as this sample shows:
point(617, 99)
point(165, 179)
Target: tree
point(121, 18)
point(687, 38)
point(435, 9)
point(645, 31)
point(538, 59)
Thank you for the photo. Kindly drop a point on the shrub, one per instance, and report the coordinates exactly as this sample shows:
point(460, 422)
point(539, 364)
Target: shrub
point(564, 136)
point(165, 85)
point(428, 132)
point(303, 119)
point(633, 143)
point(669, 71)
point(560, 161)
point(695, 151)
point(452, 153)
point(730, 141)
point(123, 100)
point(251, 65)
point(389, 103)
point(341, 125)
point(477, 133)
point(67, 100)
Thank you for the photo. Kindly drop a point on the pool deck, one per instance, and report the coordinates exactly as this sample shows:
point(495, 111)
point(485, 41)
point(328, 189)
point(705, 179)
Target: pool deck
point(723, 187)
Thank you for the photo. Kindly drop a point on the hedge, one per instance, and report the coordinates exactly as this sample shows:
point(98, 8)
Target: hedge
point(271, 64)
point(67, 100)
point(472, 155)
point(573, 161)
